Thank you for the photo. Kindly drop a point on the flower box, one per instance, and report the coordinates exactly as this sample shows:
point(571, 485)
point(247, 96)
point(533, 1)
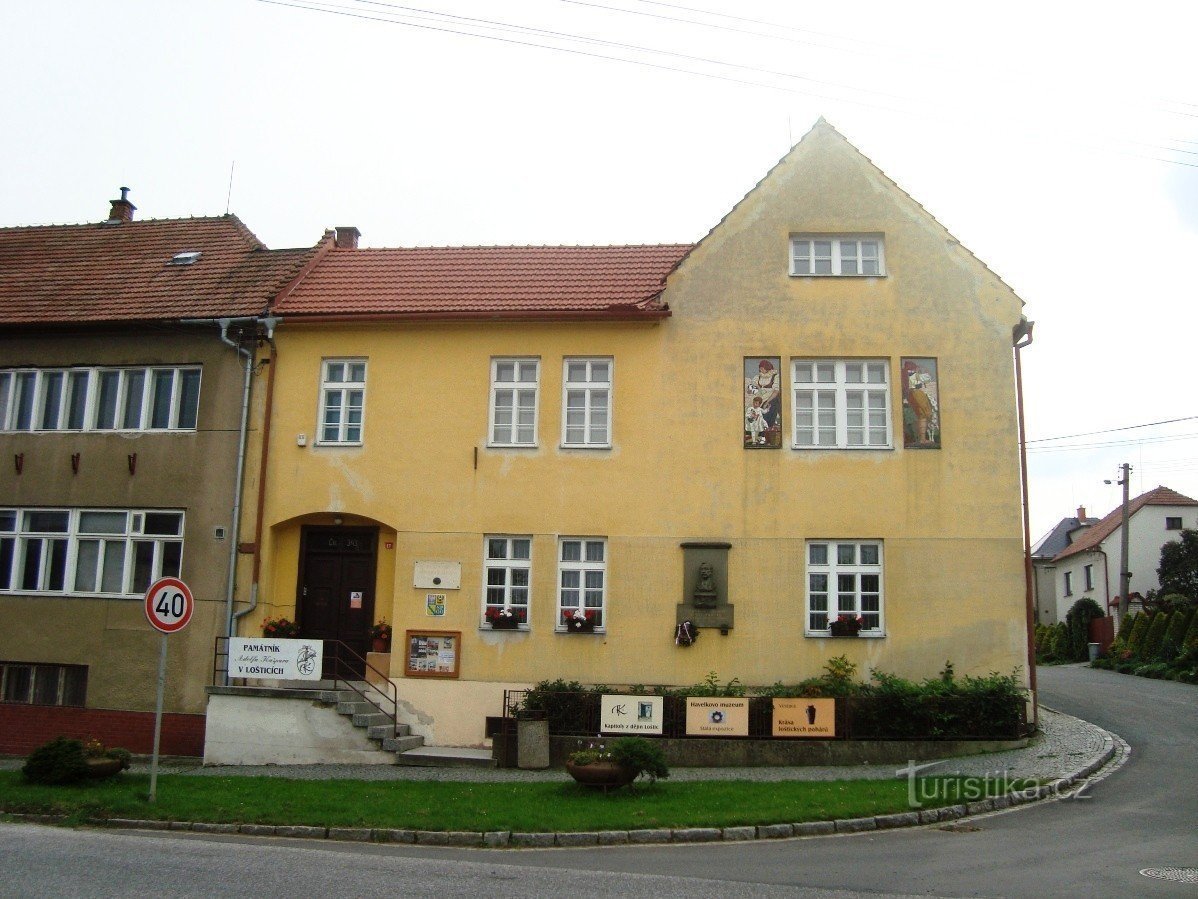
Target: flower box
point(846, 626)
point(580, 626)
point(504, 624)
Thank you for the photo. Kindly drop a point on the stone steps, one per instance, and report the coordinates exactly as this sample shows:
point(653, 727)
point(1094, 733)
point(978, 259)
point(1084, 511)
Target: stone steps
point(446, 757)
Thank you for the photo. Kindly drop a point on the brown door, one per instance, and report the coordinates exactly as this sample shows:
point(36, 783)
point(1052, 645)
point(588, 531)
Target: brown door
point(336, 585)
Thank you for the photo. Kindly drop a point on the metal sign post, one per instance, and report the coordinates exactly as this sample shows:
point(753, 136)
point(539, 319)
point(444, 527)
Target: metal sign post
point(169, 607)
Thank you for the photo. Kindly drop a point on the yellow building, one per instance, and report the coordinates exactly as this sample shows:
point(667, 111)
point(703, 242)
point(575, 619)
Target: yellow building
point(809, 414)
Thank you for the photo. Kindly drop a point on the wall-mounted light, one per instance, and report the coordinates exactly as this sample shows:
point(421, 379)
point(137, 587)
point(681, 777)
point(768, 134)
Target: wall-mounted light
point(337, 520)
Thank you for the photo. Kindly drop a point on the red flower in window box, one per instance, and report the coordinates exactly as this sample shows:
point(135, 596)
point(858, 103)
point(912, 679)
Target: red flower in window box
point(580, 621)
point(846, 626)
point(505, 618)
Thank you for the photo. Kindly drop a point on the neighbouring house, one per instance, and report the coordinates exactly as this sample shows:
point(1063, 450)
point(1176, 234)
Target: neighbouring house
point(125, 362)
point(1089, 566)
point(554, 456)
point(1044, 583)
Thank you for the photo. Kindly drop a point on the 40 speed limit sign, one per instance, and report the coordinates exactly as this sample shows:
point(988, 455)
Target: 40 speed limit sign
point(169, 605)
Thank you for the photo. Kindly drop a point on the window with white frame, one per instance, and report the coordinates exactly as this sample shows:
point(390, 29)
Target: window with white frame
point(100, 399)
point(513, 415)
point(582, 581)
point(586, 402)
point(88, 552)
point(844, 578)
point(342, 400)
point(841, 403)
point(507, 577)
point(1088, 573)
point(818, 254)
point(1173, 523)
point(41, 684)
point(1068, 583)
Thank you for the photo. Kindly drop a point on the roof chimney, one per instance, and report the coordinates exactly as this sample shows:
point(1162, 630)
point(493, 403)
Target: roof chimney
point(122, 209)
point(1081, 513)
point(347, 238)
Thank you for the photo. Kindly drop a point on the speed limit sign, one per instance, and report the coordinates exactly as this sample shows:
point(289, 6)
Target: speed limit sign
point(169, 605)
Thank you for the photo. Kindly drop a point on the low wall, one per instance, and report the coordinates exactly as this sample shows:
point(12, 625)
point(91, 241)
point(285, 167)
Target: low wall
point(251, 726)
point(23, 728)
point(716, 753)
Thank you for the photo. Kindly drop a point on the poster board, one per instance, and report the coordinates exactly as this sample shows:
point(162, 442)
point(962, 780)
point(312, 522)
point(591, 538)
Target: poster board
point(432, 653)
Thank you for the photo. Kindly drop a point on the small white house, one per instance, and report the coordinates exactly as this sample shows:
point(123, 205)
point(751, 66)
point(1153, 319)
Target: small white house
point(1044, 569)
point(1089, 566)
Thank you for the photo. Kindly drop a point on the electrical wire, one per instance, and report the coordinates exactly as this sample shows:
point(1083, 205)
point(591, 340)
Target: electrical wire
point(1151, 424)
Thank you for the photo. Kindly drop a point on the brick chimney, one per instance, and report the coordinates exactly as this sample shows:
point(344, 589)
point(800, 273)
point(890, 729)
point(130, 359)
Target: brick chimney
point(1081, 513)
point(122, 209)
point(347, 238)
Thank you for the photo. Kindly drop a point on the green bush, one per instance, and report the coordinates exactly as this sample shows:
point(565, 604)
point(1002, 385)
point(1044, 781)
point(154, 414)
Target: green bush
point(1175, 635)
point(1078, 621)
point(641, 756)
point(1136, 638)
point(569, 707)
point(1190, 641)
point(1151, 647)
point(61, 761)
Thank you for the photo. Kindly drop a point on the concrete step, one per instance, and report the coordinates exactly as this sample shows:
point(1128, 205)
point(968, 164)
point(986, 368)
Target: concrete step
point(370, 719)
point(382, 731)
point(402, 744)
point(356, 707)
point(445, 757)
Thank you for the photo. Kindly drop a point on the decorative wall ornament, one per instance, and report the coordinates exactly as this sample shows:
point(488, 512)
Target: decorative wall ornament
point(921, 403)
point(763, 402)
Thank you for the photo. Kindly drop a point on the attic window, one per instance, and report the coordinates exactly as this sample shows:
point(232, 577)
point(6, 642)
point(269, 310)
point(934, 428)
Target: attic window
point(187, 257)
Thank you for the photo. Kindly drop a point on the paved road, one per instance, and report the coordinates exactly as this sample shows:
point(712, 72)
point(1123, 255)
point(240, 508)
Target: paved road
point(1142, 816)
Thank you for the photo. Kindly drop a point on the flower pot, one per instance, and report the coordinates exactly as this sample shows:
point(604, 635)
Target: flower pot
point(505, 624)
point(99, 768)
point(580, 626)
point(603, 775)
point(380, 644)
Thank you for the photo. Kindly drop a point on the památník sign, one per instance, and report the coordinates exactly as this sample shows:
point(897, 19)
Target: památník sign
point(272, 658)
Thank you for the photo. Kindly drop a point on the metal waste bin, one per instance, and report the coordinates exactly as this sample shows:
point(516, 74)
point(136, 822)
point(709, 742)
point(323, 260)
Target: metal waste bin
point(1095, 651)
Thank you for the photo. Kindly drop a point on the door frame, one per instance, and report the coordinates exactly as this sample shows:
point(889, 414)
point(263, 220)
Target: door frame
point(308, 533)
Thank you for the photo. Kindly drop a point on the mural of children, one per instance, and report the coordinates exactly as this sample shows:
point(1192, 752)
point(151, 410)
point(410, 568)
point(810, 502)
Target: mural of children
point(754, 422)
point(921, 404)
point(763, 402)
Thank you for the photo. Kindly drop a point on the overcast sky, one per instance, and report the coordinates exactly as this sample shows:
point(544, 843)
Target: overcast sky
point(1059, 142)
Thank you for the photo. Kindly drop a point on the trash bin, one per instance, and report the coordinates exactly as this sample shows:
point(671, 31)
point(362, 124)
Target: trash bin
point(1095, 651)
point(532, 741)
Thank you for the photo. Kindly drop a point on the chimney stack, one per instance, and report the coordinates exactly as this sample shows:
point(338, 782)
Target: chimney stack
point(347, 238)
point(1081, 514)
point(122, 209)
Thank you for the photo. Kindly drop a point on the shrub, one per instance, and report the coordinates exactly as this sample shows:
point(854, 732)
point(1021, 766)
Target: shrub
point(1175, 635)
point(61, 761)
point(1136, 638)
point(568, 705)
point(1191, 637)
point(1078, 621)
point(641, 756)
point(1151, 647)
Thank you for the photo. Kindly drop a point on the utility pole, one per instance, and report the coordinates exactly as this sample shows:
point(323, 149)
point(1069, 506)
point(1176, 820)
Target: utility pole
point(1124, 574)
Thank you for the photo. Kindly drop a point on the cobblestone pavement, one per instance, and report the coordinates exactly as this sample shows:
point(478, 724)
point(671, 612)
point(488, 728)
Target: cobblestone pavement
point(1064, 745)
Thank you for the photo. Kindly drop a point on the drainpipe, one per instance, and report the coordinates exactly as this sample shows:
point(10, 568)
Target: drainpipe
point(1021, 336)
point(247, 358)
point(261, 502)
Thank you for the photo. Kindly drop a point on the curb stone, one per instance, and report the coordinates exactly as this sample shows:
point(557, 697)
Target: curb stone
point(739, 833)
point(532, 840)
point(648, 836)
point(814, 828)
point(696, 835)
point(613, 837)
point(854, 825)
point(259, 830)
point(496, 839)
point(579, 838)
point(774, 831)
point(354, 834)
point(384, 835)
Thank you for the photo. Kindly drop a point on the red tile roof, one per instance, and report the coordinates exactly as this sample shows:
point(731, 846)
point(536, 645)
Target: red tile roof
point(486, 282)
point(65, 274)
point(1092, 536)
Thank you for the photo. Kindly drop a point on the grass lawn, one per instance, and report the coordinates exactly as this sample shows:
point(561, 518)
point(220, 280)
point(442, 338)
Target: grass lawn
point(430, 805)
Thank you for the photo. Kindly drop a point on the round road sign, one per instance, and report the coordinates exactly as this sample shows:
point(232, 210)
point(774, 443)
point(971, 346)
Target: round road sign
point(169, 605)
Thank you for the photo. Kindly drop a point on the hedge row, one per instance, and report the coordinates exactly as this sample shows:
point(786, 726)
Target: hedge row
point(1162, 645)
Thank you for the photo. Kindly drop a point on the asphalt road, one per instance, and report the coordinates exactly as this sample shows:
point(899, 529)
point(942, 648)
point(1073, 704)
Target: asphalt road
point(1143, 816)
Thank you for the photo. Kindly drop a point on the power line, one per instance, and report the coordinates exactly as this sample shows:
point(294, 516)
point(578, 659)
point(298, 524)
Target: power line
point(1151, 424)
point(1135, 441)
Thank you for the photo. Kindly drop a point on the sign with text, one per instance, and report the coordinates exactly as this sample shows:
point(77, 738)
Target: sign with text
point(805, 718)
point(717, 716)
point(631, 714)
point(275, 658)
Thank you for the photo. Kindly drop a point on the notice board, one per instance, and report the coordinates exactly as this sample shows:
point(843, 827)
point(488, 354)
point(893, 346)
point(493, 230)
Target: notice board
point(432, 653)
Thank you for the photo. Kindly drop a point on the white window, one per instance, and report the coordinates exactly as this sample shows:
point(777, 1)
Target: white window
point(582, 582)
point(342, 400)
point(100, 399)
point(109, 552)
point(586, 402)
point(841, 403)
point(507, 577)
point(812, 254)
point(513, 416)
point(38, 684)
point(844, 578)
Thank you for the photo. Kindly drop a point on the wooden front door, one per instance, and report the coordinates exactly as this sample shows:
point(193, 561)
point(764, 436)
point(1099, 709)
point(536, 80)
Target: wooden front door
point(336, 585)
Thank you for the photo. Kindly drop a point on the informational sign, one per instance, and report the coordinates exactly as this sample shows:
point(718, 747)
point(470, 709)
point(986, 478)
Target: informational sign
point(275, 658)
point(169, 605)
point(355, 599)
point(434, 605)
point(716, 716)
point(631, 714)
point(432, 653)
point(805, 718)
point(437, 576)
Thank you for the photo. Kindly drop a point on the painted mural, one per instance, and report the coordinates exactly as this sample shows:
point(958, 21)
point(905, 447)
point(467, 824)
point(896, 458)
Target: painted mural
point(763, 402)
point(921, 404)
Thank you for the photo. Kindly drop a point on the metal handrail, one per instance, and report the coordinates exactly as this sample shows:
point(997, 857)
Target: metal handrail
point(341, 657)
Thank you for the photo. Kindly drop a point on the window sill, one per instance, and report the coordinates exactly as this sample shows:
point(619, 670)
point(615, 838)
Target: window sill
point(584, 446)
point(842, 277)
point(512, 446)
point(518, 629)
point(333, 444)
point(594, 632)
point(828, 636)
point(852, 449)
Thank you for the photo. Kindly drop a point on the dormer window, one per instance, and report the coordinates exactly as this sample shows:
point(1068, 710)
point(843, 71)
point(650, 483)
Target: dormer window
point(187, 257)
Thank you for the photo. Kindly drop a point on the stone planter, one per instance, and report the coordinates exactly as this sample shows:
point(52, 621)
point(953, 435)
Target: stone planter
point(100, 768)
point(602, 775)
